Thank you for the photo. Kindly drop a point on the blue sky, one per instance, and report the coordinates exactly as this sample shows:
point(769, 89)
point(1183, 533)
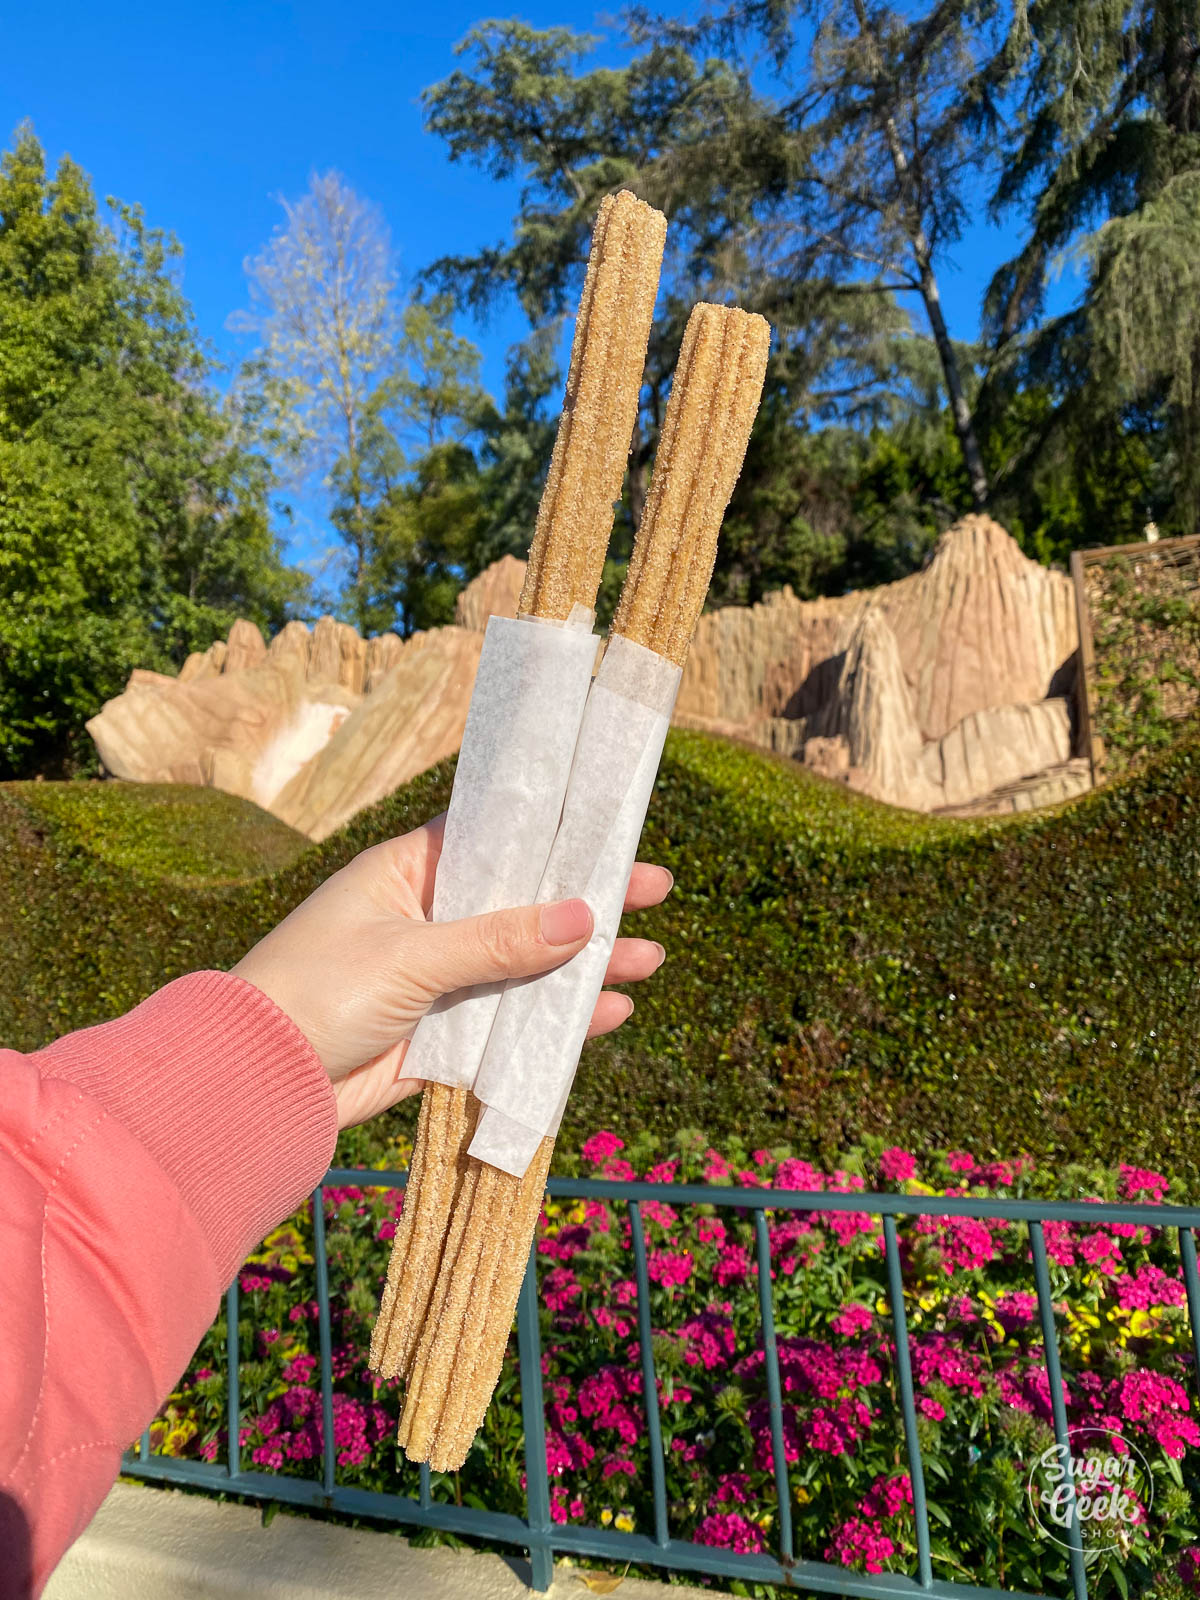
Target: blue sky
point(204, 113)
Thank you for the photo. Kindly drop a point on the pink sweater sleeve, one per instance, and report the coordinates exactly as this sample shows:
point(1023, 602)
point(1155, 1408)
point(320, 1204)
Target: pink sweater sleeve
point(140, 1162)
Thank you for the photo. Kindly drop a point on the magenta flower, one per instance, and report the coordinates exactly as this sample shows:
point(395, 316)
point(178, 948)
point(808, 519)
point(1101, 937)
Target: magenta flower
point(671, 1268)
point(792, 1174)
point(858, 1544)
point(1138, 1183)
point(897, 1165)
point(1148, 1286)
point(600, 1146)
point(729, 1531)
point(852, 1319)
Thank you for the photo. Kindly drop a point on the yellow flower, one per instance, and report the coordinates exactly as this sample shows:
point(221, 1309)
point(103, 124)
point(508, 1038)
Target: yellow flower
point(802, 1496)
point(606, 1516)
point(624, 1522)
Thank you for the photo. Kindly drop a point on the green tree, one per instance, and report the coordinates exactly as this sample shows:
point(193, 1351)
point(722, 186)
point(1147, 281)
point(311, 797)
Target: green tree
point(1107, 164)
point(407, 497)
point(134, 510)
point(821, 207)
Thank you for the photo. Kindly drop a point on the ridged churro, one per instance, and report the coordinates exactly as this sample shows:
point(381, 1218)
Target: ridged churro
point(714, 398)
point(604, 381)
point(566, 559)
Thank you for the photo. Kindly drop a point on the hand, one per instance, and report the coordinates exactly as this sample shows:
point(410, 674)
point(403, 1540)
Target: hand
point(358, 964)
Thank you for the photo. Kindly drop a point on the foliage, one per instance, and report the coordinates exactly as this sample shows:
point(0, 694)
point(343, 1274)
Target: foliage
point(982, 1393)
point(133, 507)
point(1146, 640)
point(1106, 159)
point(1044, 999)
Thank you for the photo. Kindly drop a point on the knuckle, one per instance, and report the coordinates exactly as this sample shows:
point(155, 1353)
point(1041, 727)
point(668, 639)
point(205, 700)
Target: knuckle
point(502, 938)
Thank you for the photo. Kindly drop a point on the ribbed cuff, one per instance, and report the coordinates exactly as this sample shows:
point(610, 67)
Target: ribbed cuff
point(224, 1091)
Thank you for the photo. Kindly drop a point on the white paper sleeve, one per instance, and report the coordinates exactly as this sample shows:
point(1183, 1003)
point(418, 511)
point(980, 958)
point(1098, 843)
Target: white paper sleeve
point(520, 736)
point(540, 1027)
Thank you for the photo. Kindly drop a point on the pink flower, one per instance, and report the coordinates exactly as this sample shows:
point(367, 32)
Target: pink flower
point(729, 1531)
point(1189, 1568)
point(1015, 1310)
point(600, 1146)
point(733, 1265)
point(793, 1174)
point(857, 1544)
point(299, 1370)
point(566, 1452)
point(960, 1161)
point(1159, 1404)
point(837, 1429)
point(708, 1340)
point(619, 1171)
point(732, 1489)
point(710, 1230)
point(560, 1288)
point(897, 1165)
point(717, 1167)
point(937, 1359)
point(1060, 1243)
point(852, 1319)
point(1100, 1249)
point(762, 1158)
point(669, 1267)
point(663, 1172)
point(1136, 1183)
point(888, 1497)
point(931, 1409)
point(665, 1216)
point(1149, 1286)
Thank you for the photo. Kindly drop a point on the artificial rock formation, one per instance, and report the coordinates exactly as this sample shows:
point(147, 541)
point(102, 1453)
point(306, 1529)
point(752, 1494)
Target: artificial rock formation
point(313, 726)
point(951, 690)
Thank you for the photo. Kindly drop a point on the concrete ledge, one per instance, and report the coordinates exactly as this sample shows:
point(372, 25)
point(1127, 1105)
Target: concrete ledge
point(161, 1544)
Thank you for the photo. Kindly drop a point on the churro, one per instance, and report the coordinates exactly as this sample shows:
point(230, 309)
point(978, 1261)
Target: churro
point(566, 559)
point(714, 399)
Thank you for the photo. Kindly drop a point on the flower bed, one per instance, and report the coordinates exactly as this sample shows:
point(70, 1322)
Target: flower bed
point(982, 1391)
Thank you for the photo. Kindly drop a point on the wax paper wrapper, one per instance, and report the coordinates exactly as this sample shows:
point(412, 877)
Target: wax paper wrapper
point(541, 1024)
point(519, 740)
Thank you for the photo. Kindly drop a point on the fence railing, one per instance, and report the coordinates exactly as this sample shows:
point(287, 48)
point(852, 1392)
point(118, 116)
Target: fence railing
point(541, 1536)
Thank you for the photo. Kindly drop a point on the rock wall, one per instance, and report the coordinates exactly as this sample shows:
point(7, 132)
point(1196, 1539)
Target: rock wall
point(948, 691)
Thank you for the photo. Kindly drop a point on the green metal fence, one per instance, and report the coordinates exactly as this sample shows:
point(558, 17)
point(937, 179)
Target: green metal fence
point(540, 1536)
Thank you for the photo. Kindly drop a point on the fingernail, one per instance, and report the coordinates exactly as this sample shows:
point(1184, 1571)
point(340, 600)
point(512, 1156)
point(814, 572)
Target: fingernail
point(670, 875)
point(566, 922)
point(662, 954)
point(629, 1013)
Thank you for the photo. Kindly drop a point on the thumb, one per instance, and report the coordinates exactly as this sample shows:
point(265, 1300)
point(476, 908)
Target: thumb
point(517, 942)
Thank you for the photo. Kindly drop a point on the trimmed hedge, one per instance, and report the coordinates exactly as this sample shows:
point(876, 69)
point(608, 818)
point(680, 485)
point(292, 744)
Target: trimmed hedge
point(838, 969)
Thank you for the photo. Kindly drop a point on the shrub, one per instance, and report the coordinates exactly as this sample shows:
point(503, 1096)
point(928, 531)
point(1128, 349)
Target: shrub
point(837, 969)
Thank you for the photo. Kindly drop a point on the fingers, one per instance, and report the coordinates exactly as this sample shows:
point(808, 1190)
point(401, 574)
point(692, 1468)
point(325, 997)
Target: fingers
point(514, 943)
point(424, 853)
point(648, 886)
point(634, 959)
point(611, 1011)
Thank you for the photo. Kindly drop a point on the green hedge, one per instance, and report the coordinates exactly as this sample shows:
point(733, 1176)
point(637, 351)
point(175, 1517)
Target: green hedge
point(838, 969)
